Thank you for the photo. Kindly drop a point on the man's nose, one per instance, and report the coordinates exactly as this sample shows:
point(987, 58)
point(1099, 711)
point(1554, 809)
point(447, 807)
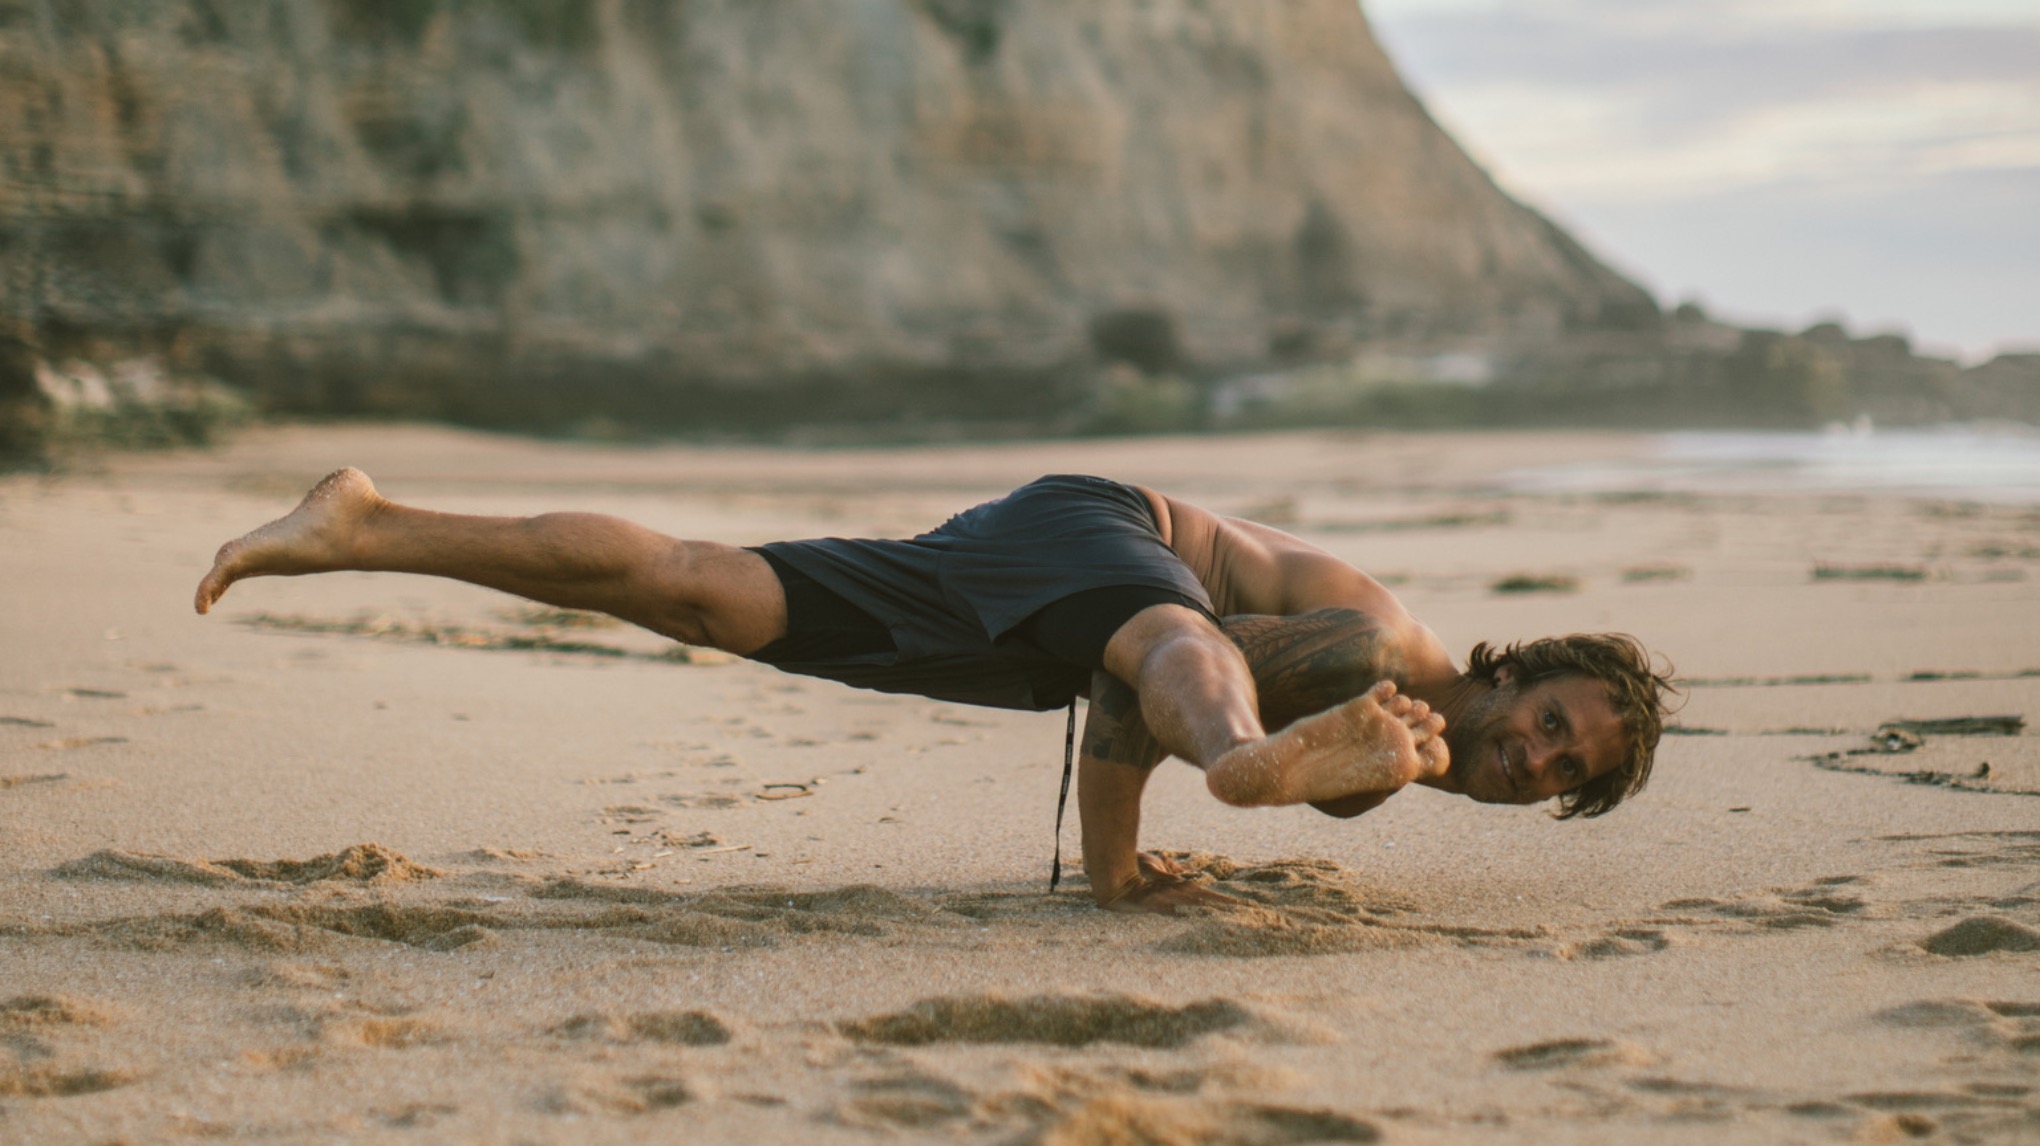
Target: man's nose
point(1538, 756)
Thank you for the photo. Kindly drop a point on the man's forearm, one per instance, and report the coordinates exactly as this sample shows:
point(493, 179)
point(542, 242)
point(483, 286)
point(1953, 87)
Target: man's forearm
point(1118, 754)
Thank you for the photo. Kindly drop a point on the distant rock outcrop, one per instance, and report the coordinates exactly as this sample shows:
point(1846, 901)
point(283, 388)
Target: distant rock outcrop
point(701, 212)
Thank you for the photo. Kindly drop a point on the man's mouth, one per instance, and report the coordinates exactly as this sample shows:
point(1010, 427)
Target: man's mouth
point(1508, 772)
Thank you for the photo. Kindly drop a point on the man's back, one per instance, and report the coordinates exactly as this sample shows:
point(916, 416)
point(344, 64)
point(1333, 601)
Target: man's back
point(1250, 568)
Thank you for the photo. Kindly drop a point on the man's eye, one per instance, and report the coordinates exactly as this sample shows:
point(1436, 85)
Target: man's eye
point(1572, 769)
point(1550, 720)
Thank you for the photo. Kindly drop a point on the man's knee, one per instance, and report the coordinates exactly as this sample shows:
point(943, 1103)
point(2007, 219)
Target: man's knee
point(1166, 631)
point(707, 593)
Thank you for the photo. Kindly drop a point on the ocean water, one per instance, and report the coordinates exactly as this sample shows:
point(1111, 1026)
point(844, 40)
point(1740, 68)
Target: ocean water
point(1996, 463)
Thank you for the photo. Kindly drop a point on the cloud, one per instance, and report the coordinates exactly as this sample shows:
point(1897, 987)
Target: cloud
point(1776, 156)
point(1639, 98)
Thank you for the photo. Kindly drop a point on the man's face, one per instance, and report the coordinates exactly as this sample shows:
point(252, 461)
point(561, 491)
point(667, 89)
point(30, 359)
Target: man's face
point(1526, 743)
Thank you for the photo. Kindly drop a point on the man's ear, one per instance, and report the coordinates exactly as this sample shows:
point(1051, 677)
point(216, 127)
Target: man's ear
point(1507, 675)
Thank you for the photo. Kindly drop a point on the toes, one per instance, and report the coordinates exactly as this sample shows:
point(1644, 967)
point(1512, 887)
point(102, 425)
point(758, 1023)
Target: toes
point(1382, 690)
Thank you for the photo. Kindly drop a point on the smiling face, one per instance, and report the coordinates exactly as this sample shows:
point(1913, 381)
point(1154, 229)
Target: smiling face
point(1525, 743)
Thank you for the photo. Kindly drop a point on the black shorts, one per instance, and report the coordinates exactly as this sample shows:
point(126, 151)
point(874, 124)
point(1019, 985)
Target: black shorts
point(822, 625)
point(1008, 604)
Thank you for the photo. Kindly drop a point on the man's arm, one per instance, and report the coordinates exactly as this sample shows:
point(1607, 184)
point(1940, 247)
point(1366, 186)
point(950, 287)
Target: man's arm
point(1301, 666)
point(1116, 756)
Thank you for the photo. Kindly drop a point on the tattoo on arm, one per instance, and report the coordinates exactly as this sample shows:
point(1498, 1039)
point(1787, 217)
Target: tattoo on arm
point(1114, 729)
point(1306, 664)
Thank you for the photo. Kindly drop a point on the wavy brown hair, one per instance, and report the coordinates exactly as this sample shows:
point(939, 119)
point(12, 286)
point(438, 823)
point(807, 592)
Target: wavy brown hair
point(1636, 690)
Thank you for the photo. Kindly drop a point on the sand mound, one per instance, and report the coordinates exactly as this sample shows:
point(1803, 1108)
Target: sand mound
point(1058, 1020)
point(362, 863)
point(1982, 935)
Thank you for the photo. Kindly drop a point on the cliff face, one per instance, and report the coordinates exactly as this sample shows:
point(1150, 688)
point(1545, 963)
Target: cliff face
point(526, 211)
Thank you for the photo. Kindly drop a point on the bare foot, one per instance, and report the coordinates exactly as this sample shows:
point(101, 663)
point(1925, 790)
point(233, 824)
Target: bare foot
point(1377, 742)
point(316, 537)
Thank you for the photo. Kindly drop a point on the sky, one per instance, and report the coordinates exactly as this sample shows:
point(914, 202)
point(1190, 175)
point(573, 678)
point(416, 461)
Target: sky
point(1780, 162)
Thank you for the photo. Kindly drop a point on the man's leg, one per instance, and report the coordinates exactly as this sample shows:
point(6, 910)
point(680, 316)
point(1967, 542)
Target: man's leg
point(699, 592)
point(1199, 699)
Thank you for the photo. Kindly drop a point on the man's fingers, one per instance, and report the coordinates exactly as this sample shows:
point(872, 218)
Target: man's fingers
point(1155, 863)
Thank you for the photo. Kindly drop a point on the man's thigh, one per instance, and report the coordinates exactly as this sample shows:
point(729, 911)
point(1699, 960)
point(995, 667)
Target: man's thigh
point(1150, 628)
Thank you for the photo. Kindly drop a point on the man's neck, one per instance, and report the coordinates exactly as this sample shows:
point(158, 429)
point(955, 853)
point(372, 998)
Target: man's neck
point(1451, 698)
point(1454, 698)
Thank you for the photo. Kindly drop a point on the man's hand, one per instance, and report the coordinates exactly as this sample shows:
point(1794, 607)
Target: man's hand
point(1163, 887)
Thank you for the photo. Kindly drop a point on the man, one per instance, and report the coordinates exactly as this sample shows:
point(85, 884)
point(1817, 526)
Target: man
point(1285, 674)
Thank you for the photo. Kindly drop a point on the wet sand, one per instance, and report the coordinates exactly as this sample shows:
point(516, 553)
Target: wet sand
point(375, 858)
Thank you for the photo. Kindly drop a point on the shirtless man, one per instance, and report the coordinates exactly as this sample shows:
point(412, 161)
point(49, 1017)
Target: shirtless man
point(1285, 674)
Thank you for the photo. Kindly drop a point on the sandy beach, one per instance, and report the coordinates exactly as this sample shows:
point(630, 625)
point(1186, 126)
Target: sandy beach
point(372, 858)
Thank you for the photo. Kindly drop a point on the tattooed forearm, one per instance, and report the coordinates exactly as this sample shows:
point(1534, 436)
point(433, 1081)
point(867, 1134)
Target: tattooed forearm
point(1306, 664)
point(1114, 729)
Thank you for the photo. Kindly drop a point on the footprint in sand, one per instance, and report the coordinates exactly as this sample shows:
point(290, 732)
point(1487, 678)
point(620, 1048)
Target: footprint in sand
point(1078, 1106)
point(24, 1019)
point(755, 918)
point(7, 782)
point(905, 1102)
point(596, 1095)
point(70, 743)
point(22, 1016)
point(2006, 1032)
point(1822, 903)
point(1978, 849)
point(380, 1032)
point(2003, 1020)
point(679, 1028)
point(1969, 1116)
point(1312, 907)
point(1054, 1020)
point(1558, 1054)
point(1148, 1120)
point(1617, 944)
point(415, 1115)
point(42, 1080)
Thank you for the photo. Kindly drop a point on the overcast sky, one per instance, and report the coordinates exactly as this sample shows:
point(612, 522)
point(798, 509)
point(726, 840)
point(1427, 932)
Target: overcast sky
point(1779, 161)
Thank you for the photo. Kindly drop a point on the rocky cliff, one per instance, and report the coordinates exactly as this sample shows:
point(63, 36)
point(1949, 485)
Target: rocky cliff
point(529, 212)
